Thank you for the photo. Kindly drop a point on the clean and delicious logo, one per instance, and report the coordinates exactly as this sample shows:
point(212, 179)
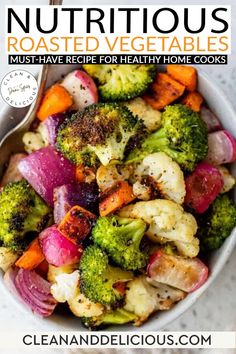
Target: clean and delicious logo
point(19, 88)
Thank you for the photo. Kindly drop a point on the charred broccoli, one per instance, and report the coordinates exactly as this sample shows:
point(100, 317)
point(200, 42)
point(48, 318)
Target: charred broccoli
point(182, 136)
point(100, 131)
point(121, 82)
point(217, 223)
point(21, 211)
point(115, 317)
point(120, 238)
point(97, 277)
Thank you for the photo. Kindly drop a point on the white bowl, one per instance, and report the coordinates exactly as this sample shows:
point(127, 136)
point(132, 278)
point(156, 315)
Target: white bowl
point(219, 103)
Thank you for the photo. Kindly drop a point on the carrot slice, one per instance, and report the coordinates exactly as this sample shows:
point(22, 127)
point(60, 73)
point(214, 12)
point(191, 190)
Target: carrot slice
point(193, 100)
point(56, 100)
point(77, 224)
point(186, 75)
point(115, 198)
point(80, 173)
point(32, 257)
point(163, 91)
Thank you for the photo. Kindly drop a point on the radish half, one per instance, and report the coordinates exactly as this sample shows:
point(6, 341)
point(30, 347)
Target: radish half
point(82, 88)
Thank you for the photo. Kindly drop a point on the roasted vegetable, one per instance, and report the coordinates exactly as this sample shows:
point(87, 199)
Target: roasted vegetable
point(222, 148)
point(186, 75)
point(108, 176)
point(182, 273)
point(167, 222)
point(77, 224)
point(66, 196)
point(183, 136)
point(21, 211)
point(202, 187)
point(7, 258)
point(58, 249)
point(116, 317)
point(46, 169)
point(217, 223)
point(163, 91)
point(100, 131)
point(164, 174)
point(31, 289)
point(115, 198)
point(228, 179)
point(193, 100)
point(151, 117)
point(143, 299)
point(98, 277)
point(82, 89)
point(55, 100)
point(121, 82)
point(121, 238)
point(32, 256)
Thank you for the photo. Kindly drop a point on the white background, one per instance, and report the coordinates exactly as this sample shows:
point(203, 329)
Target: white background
point(215, 310)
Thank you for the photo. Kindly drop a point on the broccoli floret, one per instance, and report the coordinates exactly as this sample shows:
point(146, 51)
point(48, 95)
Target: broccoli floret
point(21, 211)
point(97, 277)
point(100, 131)
point(115, 317)
point(121, 82)
point(182, 136)
point(120, 238)
point(217, 223)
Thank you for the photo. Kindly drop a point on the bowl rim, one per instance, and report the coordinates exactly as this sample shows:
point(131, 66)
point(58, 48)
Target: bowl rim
point(178, 309)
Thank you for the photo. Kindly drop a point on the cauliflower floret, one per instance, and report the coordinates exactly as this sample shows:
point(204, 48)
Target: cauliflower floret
point(188, 249)
point(107, 176)
point(143, 299)
point(7, 258)
point(166, 174)
point(32, 141)
point(141, 191)
point(150, 117)
point(65, 286)
point(36, 140)
point(80, 306)
point(53, 272)
point(167, 222)
point(229, 180)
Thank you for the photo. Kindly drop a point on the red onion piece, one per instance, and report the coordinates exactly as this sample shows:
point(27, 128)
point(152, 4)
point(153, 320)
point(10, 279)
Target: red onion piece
point(211, 120)
point(202, 187)
point(82, 194)
point(51, 126)
point(46, 169)
point(31, 289)
point(58, 249)
point(221, 148)
point(187, 274)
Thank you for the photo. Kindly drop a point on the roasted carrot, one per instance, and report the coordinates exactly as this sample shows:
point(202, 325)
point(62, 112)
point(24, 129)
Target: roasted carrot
point(77, 224)
point(186, 75)
point(56, 100)
point(193, 100)
point(115, 198)
point(80, 173)
point(163, 91)
point(32, 257)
